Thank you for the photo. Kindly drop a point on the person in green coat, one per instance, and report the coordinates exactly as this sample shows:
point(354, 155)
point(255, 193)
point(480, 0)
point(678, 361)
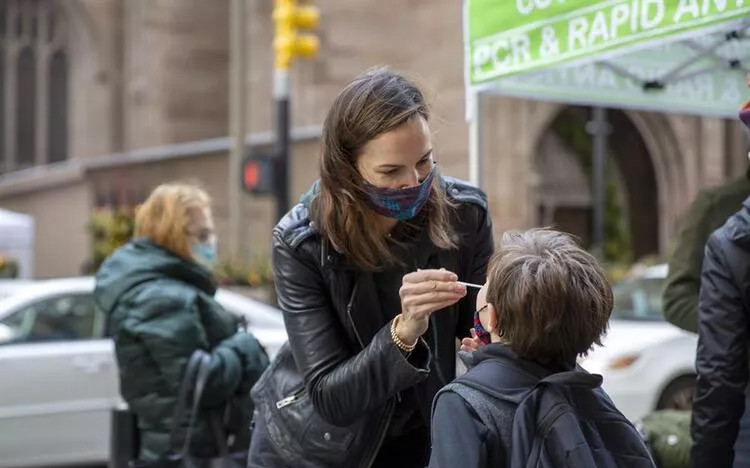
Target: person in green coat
point(158, 294)
point(707, 212)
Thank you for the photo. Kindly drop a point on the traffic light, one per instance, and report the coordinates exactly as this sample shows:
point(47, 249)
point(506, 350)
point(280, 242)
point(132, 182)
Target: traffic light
point(289, 17)
point(258, 174)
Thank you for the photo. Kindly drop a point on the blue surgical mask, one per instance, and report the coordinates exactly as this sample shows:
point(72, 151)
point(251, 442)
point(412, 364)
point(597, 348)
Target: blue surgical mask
point(205, 254)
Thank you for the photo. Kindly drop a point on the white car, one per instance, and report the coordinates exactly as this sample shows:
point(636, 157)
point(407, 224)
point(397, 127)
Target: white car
point(647, 363)
point(58, 373)
point(10, 286)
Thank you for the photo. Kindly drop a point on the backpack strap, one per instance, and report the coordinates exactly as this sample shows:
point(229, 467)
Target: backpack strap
point(485, 410)
point(202, 360)
point(191, 385)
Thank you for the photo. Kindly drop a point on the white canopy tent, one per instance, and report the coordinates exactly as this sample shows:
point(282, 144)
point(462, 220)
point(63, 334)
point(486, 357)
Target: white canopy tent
point(17, 240)
point(679, 56)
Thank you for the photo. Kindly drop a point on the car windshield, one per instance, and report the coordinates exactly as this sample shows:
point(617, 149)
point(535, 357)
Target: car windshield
point(638, 299)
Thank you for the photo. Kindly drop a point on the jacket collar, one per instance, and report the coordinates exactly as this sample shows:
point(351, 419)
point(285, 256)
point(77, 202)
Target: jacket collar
point(738, 226)
point(503, 351)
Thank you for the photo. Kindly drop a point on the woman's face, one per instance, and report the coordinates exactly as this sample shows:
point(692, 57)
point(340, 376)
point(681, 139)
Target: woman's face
point(202, 238)
point(201, 229)
point(398, 159)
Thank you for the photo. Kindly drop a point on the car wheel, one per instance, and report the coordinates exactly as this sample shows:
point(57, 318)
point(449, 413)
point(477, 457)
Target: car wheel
point(679, 394)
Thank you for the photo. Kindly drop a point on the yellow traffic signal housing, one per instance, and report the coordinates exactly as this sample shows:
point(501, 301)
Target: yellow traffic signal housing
point(288, 43)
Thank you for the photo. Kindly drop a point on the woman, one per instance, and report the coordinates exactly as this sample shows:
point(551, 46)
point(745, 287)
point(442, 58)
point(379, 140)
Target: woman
point(367, 271)
point(158, 294)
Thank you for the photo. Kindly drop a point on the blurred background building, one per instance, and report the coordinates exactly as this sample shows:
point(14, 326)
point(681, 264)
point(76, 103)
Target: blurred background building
point(101, 100)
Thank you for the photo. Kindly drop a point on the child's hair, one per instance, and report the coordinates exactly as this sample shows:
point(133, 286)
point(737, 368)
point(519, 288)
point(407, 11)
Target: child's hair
point(552, 298)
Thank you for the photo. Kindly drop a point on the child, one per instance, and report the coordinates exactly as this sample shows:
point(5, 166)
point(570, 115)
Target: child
point(546, 302)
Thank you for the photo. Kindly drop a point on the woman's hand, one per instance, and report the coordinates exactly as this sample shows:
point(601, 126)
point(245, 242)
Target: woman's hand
point(422, 293)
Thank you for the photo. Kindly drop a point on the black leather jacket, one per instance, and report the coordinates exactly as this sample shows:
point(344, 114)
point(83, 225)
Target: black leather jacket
point(352, 371)
point(723, 340)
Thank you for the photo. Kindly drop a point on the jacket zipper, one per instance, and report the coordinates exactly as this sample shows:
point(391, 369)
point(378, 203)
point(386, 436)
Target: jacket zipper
point(290, 399)
point(354, 327)
point(438, 370)
point(381, 437)
point(383, 429)
point(349, 315)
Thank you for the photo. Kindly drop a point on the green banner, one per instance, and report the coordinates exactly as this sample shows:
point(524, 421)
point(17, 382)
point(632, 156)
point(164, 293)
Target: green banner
point(706, 89)
point(505, 37)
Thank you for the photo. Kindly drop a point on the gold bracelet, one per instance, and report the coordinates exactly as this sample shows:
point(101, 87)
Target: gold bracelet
point(399, 343)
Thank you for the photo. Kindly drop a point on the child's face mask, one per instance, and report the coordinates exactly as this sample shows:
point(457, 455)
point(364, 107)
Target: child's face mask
point(482, 334)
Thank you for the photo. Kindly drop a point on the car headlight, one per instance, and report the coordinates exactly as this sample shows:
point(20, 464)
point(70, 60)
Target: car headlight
point(623, 362)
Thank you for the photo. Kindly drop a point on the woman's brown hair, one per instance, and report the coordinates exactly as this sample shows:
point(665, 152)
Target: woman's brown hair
point(376, 102)
point(167, 213)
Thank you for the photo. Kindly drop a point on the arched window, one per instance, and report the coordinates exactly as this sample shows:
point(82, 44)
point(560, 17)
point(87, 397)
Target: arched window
point(34, 67)
point(25, 108)
point(57, 130)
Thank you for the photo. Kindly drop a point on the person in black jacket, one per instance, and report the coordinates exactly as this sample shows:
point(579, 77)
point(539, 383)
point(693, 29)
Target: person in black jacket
point(366, 270)
point(546, 302)
point(723, 342)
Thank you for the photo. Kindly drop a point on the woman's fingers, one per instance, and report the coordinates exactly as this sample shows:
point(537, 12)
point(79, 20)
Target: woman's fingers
point(425, 291)
point(420, 311)
point(432, 298)
point(431, 286)
point(421, 276)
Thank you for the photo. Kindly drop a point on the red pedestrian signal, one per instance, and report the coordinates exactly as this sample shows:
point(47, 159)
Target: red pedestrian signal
point(258, 174)
point(252, 174)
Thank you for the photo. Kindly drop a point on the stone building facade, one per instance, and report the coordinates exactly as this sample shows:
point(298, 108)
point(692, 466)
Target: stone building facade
point(146, 101)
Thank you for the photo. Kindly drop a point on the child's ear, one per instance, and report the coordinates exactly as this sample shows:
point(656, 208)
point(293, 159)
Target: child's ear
point(492, 319)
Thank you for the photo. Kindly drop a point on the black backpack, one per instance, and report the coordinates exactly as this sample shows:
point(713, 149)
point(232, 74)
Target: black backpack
point(561, 420)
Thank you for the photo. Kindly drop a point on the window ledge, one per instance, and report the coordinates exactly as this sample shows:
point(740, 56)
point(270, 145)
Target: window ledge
point(41, 178)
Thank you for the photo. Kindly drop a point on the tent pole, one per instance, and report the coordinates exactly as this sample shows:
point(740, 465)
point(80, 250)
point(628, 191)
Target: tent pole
point(598, 128)
point(475, 140)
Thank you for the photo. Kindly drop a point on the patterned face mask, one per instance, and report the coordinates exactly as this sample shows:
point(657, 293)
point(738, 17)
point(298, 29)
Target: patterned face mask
point(745, 114)
point(482, 334)
point(401, 204)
